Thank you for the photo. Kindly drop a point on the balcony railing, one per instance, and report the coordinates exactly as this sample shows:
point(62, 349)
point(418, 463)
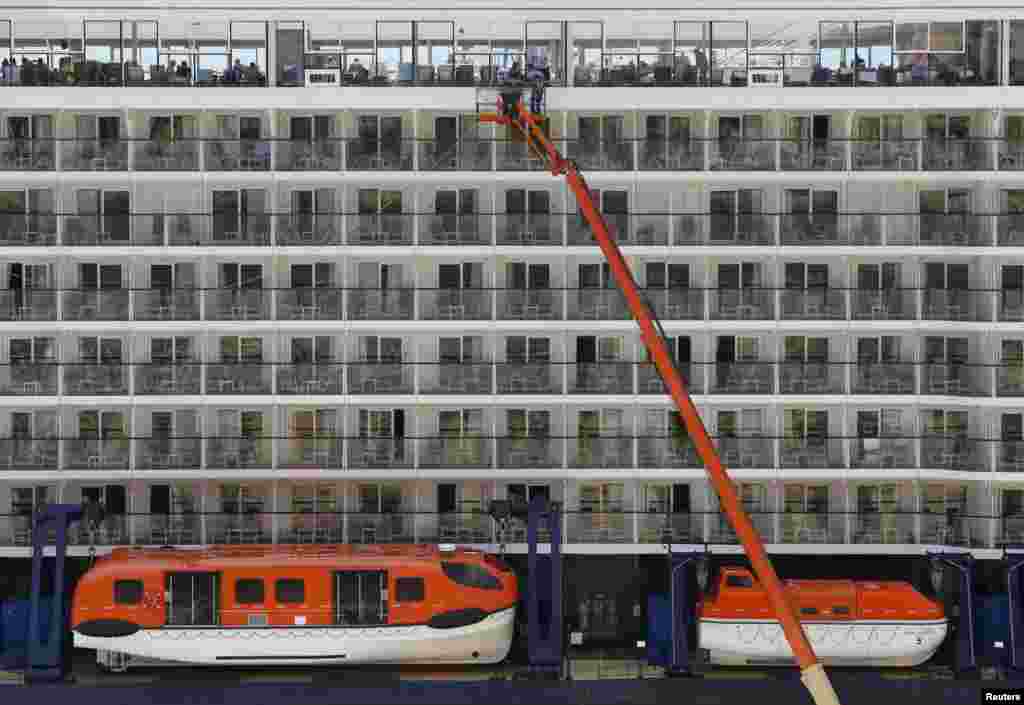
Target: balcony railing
point(243, 452)
point(379, 155)
point(308, 155)
point(94, 155)
point(599, 155)
point(882, 452)
point(312, 450)
point(161, 155)
point(237, 154)
point(813, 155)
point(597, 305)
point(90, 379)
point(456, 378)
point(380, 304)
point(884, 304)
point(28, 305)
point(812, 378)
point(954, 154)
point(380, 229)
point(885, 155)
point(454, 229)
point(742, 304)
point(35, 378)
point(821, 303)
point(460, 155)
point(534, 229)
point(601, 452)
point(309, 304)
point(529, 378)
point(168, 453)
point(811, 452)
point(239, 378)
point(455, 304)
point(168, 378)
point(237, 304)
point(369, 377)
point(956, 305)
point(319, 377)
point(20, 154)
point(530, 304)
point(649, 379)
point(743, 378)
point(96, 454)
point(529, 452)
point(742, 155)
point(884, 378)
point(306, 229)
point(832, 229)
point(96, 304)
point(955, 453)
point(601, 378)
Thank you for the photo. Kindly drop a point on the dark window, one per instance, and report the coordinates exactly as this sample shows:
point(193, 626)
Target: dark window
point(127, 592)
point(841, 610)
point(808, 610)
point(290, 591)
point(409, 590)
point(470, 575)
point(743, 581)
point(249, 591)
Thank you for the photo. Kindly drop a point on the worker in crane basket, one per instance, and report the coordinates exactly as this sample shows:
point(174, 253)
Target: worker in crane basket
point(508, 102)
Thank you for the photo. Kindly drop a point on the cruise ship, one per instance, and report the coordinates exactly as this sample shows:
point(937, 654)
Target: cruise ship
point(267, 279)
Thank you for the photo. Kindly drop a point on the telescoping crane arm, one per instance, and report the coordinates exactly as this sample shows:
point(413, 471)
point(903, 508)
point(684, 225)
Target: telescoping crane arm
point(813, 674)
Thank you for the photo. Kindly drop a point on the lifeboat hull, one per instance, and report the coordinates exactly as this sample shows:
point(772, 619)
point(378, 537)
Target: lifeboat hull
point(485, 642)
point(850, 643)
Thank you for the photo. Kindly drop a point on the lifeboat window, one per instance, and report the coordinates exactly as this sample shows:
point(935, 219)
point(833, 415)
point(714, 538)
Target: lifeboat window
point(249, 591)
point(841, 609)
point(808, 610)
point(741, 581)
point(409, 590)
point(470, 575)
point(127, 592)
point(290, 591)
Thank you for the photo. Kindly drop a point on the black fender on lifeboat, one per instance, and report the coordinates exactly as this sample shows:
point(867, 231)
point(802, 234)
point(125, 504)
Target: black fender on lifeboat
point(107, 628)
point(457, 618)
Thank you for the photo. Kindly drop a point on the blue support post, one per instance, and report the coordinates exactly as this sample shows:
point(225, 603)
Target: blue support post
point(1014, 562)
point(545, 635)
point(46, 659)
point(966, 654)
point(681, 612)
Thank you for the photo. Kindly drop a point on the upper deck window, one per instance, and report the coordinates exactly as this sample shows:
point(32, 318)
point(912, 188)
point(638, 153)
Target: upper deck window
point(249, 591)
point(742, 581)
point(127, 592)
point(470, 575)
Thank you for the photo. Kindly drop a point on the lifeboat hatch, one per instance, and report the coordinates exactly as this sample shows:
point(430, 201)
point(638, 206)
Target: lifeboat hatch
point(361, 597)
point(192, 599)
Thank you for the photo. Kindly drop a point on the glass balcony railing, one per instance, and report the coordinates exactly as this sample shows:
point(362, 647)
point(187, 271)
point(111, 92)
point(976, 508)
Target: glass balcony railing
point(94, 155)
point(371, 377)
point(90, 379)
point(812, 378)
point(237, 304)
point(743, 378)
point(243, 452)
point(35, 378)
point(455, 378)
point(167, 379)
point(96, 305)
point(396, 304)
point(168, 453)
point(382, 155)
point(455, 304)
point(597, 305)
point(161, 155)
point(601, 378)
point(871, 377)
point(237, 154)
point(529, 378)
point(814, 304)
point(459, 155)
point(811, 452)
point(239, 378)
point(812, 155)
point(308, 155)
point(303, 229)
point(28, 305)
point(533, 229)
point(742, 304)
point(319, 377)
point(21, 154)
point(453, 229)
point(957, 154)
point(956, 305)
point(380, 229)
point(529, 451)
point(309, 304)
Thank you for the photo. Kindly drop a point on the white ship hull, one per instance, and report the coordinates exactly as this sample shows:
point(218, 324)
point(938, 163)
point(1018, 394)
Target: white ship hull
point(485, 642)
point(863, 643)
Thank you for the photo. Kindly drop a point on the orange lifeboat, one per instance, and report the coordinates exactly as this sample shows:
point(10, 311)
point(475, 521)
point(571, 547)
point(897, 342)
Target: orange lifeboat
point(849, 623)
point(270, 605)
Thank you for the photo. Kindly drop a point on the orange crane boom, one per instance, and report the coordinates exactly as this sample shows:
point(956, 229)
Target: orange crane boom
point(812, 673)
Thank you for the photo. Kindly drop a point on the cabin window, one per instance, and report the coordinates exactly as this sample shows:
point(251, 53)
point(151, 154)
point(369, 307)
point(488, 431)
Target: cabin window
point(470, 575)
point(808, 610)
point(127, 592)
point(290, 591)
point(409, 590)
point(249, 591)
point(741, 581)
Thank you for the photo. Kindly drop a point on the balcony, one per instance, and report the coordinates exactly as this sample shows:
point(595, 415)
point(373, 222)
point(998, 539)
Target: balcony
point(380, 304)
point(601, 378)
point(671, 155)
point(380, 229)
point(956, 305)
point(311, 451)
point(884, 378)
point(1010, 379)
point(812, 527)
point(310, 527)
point(453, 229)
point(649, 379)
point(813, 155)
point(811, 452)
point(461, 155)
point(168, 453)
point(237, 155)
point(380, 378)
point(530, 452)
point(598, 305)
point(821, 229)
point(166, 304)
point(884, 304)
point(90, 379)
point(600, 155)
point(28, 305)
point(957, 154)
point(20, 229)
point(529, 378)
point(1011, 456)
point(743, 378)
point(455, 304)
point(168, 379)
point(380, 453)
point(29, 378)
point(676, 304)
point(742, 155)
point(516, 156)
point(29, 453)
point(812, 378)
point(455, 452)
point(95, 454)
point(239, 378)
point(308, 155)
point(1011, 305)
point(871, 526)
point(599, 527)
point(814, 304)
point(742, 304)
point(238, 304)
point(664, 452)
point(251, 526)
point(228, 229)
point(96, 304)
point(951, 529)
point(530, 304)
point(954, 452)
point(882, 452)
point(747, 452)
point(954, 230)
point(242, 452)
point(1010, 229)
point(308, 229)
point(456, 378)
point(601, 452)
point(885, 155)
point(27, 154)
point(383, 155)
point(956, 379)
point(533, 229)
point(94, 155)
point(160, 155)
point(721, 531)
point(385, 527)
point(309, 304)
point(111, 230)
point(183, 529)
point(310, 378)
point(618, 225)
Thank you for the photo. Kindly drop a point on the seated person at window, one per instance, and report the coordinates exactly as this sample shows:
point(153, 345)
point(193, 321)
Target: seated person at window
point(252, 73)
point(184, 71)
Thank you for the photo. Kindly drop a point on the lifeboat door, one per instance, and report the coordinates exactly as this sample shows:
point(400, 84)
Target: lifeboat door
point(193, 599)
point(361, 597)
